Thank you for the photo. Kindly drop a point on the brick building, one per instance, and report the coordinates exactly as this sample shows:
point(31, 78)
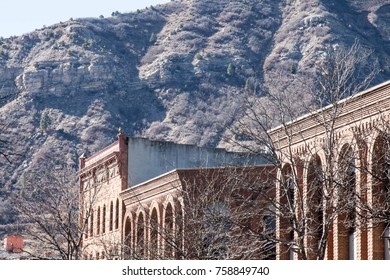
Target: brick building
point(334, 178)
point(335, 168)
point(136, 192)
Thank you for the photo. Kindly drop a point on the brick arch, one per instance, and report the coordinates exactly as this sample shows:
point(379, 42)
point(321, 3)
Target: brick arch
point(377, 128)
point(154, 230)
point(128, 236)
point(379, 189)
point(372, 141)
point(319, 153)
point(347, 156)
point(285, 193)
point(159, 209)
point(132, 216)
point(169, 200)
point(347, 140)
point(359, 143)
point(320, 157)
point(346, 187)
point(168, 234)
point(140, 235)
point(313, 193)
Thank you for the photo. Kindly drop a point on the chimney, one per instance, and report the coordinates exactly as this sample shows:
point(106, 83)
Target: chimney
point(123, 150)
point(82, 161)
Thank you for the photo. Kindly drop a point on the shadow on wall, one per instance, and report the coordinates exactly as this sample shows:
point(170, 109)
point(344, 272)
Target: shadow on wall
point(148, 159)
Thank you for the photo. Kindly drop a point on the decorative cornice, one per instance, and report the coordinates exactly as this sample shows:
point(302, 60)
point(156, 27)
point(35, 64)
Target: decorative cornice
point(365, 105)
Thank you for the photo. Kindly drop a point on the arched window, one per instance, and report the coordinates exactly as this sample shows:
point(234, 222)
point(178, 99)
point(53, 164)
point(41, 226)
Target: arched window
point(123, 211)
point(128, 242)
point(91, 225)
point(117, 214)
point(104, 219)
point(168, 231)
point(98, 221)
point(140, 247)
point(111, 215)
point(381, 195)
point(347, 203)
point(154, 248)
point(315, 204)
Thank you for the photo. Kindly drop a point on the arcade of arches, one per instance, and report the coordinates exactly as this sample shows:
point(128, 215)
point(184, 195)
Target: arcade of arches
point(336, 180)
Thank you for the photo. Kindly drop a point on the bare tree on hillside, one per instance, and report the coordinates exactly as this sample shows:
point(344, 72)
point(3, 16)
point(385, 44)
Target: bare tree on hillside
point(317, 185)
point(5, 146)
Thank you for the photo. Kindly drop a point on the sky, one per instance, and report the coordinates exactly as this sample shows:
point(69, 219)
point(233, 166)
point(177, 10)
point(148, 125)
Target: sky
point(18, 17)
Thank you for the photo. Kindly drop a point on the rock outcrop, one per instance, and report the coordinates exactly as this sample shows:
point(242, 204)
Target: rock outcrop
point(163, 72)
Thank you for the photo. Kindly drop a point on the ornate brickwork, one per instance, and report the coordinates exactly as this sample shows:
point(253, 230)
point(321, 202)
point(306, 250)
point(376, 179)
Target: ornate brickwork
point(102, 177)
point(347, 144)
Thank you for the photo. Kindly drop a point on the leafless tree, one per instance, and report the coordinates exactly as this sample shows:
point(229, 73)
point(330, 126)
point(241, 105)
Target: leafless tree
point(5, 146)
point(376, 213)
point(48, 209)
point(314, 191)
point(218, 215)
point(221, 209)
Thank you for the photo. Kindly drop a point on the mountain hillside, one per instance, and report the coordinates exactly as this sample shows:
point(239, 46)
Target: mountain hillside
point(175, 71)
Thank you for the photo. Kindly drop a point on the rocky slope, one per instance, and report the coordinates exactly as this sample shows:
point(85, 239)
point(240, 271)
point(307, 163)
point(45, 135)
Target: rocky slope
point(175, 71)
